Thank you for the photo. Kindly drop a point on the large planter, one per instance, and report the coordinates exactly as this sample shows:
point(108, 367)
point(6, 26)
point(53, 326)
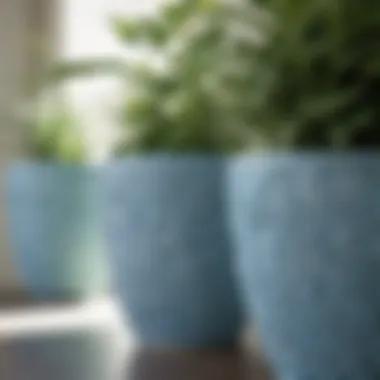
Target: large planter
point(170, 253)
point(307, 232)
point(55, 231)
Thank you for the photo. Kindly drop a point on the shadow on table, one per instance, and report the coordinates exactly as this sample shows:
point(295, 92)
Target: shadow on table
point(93, 356)
point(205, 365)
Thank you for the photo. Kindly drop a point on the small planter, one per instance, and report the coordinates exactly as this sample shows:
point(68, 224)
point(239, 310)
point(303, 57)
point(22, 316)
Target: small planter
point(171, 257)
point(54, 227)
point(306, 228)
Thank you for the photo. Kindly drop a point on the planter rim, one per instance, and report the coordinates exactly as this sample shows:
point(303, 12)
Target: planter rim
point(163, 155)
point(305, 154)
point(51, 164)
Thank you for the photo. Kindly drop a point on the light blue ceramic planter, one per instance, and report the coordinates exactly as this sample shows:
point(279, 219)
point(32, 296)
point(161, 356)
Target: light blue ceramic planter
point(171, 257)
point(307, 232)
point(55, 231)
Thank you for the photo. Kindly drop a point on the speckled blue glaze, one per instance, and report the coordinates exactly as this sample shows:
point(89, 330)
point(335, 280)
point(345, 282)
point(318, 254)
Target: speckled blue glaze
point(307, 232)
point(54, 228)
point(171, 257)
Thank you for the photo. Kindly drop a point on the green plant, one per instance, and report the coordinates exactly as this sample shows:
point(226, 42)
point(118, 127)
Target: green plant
point(182, 98)
point(51, 128)
point(53, 133)
point(181, 105)
point(316, 79)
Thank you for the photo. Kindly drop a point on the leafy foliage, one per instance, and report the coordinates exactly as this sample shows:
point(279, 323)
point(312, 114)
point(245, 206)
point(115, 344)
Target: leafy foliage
point(317, 76)
point(63, 71)
point(53, 133)
point(184, 105)
point(51, 128)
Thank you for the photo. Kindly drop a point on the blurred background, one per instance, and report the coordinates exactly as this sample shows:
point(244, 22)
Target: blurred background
point(33, 34)
point(216, 155)
point(89, 339)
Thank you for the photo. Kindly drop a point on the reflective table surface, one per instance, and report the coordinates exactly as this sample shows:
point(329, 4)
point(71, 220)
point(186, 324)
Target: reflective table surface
point(91, 343)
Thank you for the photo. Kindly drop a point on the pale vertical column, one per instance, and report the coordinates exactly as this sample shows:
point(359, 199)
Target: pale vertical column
point(12, 78)
point(21, 69)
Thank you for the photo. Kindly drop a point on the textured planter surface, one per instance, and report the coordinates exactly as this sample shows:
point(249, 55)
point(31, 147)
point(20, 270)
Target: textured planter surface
point(307, 229)
point(54, 229)
point(167, 235)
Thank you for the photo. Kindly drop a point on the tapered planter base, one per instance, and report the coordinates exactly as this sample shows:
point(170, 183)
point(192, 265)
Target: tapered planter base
point(170, 253)
point(307, 233)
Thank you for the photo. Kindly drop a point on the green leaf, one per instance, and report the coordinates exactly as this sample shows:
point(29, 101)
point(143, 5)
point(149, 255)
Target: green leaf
point(125, 29)
point(54, 134)
point(84, 68)
point(148, 31)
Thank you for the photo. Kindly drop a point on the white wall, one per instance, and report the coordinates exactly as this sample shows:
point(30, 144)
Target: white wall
point(86, 33)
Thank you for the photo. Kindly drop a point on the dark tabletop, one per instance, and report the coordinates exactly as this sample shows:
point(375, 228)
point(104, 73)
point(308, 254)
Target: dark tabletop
point(82, 357)
point(91, 354)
